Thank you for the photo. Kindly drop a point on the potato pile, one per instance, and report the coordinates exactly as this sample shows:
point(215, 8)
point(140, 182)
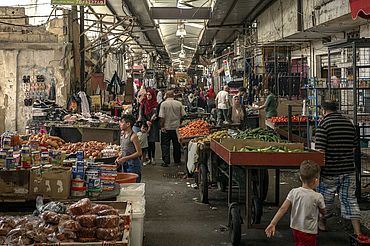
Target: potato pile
point(91, 149)
point(51, 142)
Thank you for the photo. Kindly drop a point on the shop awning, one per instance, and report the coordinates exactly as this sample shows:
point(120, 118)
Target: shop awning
point(360, 8)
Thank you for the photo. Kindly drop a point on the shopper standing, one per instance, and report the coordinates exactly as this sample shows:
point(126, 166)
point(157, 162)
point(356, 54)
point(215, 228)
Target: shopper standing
point(306, 205)
point(210, 99)
point(170, 114)
point(129, 158)
point(223, 106)
point(336, 136)
point(202, 101)
point(150, 107)
point(270, 104)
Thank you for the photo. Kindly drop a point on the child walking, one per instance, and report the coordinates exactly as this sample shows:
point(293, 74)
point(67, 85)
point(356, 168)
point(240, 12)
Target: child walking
point(143, 139)
point(129, 159)
point(306, 205)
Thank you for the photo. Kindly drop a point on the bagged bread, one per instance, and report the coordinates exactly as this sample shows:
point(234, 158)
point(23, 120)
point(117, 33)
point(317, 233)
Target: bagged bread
point(50, 217)
point(87, 232)
point(108, 212)
point(88, 220)
point(96, 208)
point(79, 208)
point(108, 221)
point(107, 233)
point(69, 225)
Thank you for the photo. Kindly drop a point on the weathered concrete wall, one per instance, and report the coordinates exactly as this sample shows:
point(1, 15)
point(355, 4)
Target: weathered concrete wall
point(277, 21)
point(8, 86)
point(14, 65)
point(13, 12)
point(317, 12)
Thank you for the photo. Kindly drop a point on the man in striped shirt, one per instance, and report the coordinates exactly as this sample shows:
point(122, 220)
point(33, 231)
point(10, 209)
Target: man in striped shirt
point(336, 136)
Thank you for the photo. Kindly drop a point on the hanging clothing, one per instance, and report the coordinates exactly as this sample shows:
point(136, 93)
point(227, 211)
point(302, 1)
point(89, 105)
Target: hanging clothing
point(85, 106)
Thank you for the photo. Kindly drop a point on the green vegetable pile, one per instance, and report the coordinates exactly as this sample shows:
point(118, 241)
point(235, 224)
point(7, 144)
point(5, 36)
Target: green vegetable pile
point(267, 149)
point(259, 134)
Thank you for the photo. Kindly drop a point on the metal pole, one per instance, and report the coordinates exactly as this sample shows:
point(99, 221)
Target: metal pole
point(82, 48)
point(355, 92)
point(290, 123)
point(275, 73)
point(329, 74)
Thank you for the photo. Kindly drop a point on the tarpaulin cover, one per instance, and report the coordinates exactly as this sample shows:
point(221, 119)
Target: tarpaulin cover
point(360, 8)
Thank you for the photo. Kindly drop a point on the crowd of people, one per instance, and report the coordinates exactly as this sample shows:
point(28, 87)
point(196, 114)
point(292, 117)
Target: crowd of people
point(154, 119)
point(158, 119)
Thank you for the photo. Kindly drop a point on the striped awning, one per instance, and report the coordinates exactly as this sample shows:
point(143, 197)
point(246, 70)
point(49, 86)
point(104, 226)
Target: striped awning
point(360, 8)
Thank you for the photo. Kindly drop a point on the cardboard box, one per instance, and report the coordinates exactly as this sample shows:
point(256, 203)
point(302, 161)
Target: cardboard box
point(53, 183)
point(14, 183)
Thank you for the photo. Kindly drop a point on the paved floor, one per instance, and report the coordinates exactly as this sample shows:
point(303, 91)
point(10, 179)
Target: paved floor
point(174, 217)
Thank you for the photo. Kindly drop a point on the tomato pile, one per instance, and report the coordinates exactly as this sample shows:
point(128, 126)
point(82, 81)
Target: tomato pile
point(283, 119)
point(194, 128)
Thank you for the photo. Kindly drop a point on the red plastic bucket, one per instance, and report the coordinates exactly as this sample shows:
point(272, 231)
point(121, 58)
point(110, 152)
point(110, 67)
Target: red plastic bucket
point(124, 178)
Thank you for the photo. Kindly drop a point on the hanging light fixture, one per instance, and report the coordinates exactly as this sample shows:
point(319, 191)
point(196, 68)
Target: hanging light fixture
point(182, 54)
point(181, 32)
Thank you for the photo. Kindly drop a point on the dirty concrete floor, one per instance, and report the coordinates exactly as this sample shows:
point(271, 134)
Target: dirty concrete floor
point(174, 217)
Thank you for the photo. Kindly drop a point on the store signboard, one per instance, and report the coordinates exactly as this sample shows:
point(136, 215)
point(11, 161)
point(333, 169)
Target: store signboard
point(79, 2)
point(227, 71)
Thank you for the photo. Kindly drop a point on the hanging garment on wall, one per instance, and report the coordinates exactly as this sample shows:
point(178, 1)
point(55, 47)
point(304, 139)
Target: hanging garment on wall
point(116, 86)
point(85, 106)
point(52, 90)
point(110, 66)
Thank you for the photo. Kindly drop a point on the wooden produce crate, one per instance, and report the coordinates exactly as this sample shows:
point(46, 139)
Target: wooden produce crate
point(225, 149)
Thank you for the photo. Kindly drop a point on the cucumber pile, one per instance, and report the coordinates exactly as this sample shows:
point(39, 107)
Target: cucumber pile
point(259, 134)
point(267, 149)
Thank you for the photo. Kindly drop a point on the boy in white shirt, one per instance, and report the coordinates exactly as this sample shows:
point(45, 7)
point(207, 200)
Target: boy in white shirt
point(306, 205)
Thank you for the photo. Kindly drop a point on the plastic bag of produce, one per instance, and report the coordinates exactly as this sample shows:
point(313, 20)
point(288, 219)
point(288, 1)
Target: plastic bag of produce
point(56, 207)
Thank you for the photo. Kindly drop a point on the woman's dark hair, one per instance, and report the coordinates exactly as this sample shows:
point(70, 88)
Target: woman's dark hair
point(242, 89)
point(128, 118)
point(330, 105)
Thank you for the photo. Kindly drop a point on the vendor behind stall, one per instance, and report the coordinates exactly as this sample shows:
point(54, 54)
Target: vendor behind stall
point(238, 115)
point(129, 159)
point(270, 104)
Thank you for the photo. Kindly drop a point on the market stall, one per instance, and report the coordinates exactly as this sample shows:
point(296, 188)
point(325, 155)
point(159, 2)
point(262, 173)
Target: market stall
point(294, 126)
point(45, 165)
point(252, 155)
point(76, 128)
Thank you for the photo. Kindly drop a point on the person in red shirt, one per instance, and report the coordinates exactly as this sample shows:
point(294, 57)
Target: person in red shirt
point(211, 95)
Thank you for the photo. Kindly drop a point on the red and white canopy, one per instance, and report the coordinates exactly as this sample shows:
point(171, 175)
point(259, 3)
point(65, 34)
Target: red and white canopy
point(360, 8)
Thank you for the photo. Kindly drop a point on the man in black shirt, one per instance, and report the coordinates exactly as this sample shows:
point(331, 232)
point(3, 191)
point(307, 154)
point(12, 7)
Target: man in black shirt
point(336, 136)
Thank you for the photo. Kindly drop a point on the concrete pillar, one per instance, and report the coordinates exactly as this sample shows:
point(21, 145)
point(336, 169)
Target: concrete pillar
point(8, 87)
